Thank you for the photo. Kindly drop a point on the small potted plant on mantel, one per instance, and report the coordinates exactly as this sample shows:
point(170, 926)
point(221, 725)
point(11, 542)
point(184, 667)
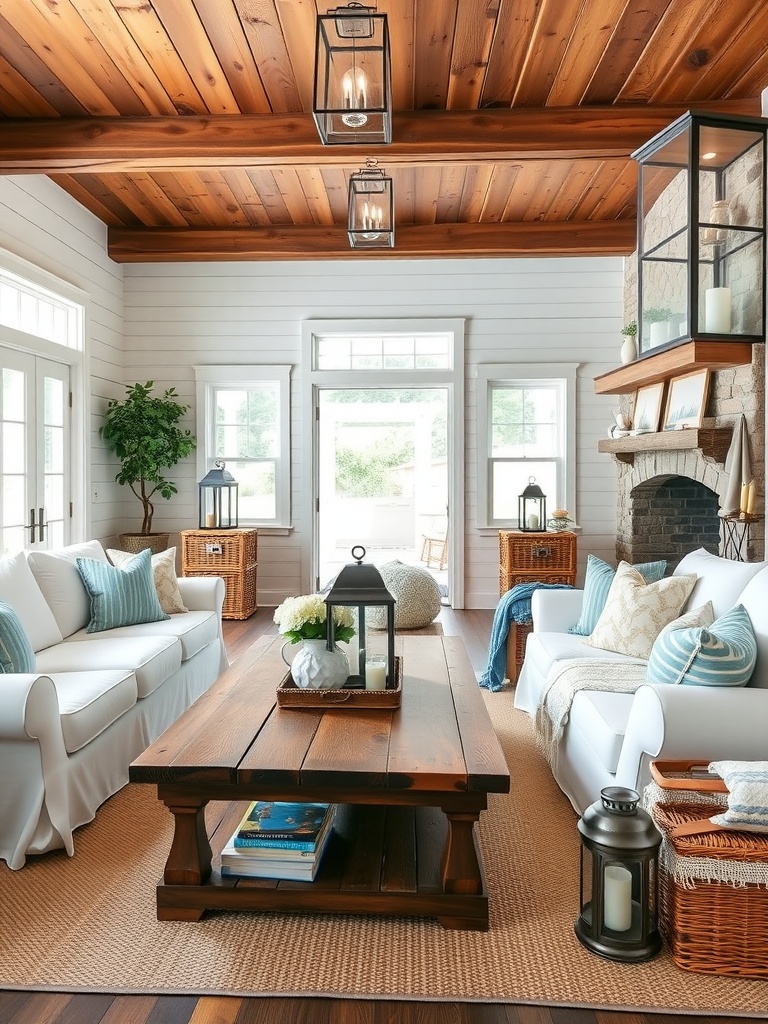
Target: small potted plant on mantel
point(142, 430)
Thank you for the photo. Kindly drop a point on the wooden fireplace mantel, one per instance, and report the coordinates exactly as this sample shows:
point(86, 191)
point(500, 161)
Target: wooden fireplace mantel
point(712, 442)
point(659, 366)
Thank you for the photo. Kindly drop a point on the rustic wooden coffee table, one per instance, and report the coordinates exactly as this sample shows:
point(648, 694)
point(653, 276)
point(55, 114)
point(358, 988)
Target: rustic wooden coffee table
point(411, 783)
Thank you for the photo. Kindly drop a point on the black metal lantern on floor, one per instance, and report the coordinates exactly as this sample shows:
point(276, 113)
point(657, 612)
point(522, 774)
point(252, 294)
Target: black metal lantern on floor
point(352, 100)
point(619, 878)
point(532, 508)
point(218, 499)
point(360, 586)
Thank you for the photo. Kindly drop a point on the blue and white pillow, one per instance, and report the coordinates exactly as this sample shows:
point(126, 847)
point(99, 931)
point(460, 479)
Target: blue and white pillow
point(597, 582)
point(747, 783)
point(16, 654)
point(120, 597)
point(722, 654)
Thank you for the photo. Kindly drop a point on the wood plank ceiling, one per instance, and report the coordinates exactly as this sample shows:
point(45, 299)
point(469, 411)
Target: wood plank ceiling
point(186, 126)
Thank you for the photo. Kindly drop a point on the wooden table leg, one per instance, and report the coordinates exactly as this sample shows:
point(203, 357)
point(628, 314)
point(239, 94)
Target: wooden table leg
point(460, 869)
point(189, 860)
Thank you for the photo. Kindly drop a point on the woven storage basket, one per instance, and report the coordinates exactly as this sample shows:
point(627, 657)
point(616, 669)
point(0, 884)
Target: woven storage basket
point(518, 634)
point(510, 578)
point(712, 926)
point(238, 550)
point(240, 591)
point(532, 553)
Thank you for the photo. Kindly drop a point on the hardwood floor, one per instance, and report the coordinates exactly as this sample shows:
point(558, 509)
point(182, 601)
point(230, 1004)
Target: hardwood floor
point(82, 1008)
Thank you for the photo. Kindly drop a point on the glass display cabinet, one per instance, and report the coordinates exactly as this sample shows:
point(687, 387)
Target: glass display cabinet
point(701, 232)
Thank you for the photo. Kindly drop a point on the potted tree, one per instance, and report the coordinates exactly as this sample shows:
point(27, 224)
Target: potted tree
point(142, 430)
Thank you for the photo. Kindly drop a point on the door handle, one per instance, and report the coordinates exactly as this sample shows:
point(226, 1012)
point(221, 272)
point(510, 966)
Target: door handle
point(32, 526)
point(41, 525)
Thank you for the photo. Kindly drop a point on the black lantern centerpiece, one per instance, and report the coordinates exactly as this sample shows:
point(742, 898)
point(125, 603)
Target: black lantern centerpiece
point(619, 878)
point(532, 508)
point(360, 586)
point(218, 501)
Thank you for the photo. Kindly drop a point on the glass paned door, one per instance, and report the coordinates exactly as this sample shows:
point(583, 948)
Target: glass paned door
point(34, 444)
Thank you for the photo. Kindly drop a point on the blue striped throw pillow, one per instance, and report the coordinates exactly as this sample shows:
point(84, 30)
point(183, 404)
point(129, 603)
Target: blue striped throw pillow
point(722, 654)
point(120, 597)
point(597, 582)
point(16, 654)
point(747, 783)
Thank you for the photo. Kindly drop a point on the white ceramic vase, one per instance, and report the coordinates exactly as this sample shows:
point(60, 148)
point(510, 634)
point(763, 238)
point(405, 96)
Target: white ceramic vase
point(629, 350)
point(315, 667)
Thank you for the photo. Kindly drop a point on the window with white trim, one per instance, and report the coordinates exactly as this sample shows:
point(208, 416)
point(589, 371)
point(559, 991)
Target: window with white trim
point(243, 415)
point(526, 429)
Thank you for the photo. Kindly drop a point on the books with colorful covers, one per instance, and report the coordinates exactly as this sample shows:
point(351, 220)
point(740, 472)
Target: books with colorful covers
point(279, 825)
point(269, 862)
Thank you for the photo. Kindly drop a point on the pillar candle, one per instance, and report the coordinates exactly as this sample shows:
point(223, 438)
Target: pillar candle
point(750, 498)
point(743, 498)
point(717, 310)
point(376, 674)
point(617, 911)
point(533, 522)
point(210, 519)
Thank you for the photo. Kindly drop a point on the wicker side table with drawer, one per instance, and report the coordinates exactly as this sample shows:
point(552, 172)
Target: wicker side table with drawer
point(526, 557)
point(230, 554)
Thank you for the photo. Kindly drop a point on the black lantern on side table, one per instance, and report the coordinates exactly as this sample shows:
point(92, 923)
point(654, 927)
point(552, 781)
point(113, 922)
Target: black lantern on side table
point(619, 878)
point(218, 499)
point(532, 508)
point(360, 586)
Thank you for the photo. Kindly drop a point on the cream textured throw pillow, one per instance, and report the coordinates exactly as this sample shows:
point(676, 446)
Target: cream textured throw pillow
point(164, 573)
point(636, 612)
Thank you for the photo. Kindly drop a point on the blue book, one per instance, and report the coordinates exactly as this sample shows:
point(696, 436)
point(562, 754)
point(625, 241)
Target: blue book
point(279, 825)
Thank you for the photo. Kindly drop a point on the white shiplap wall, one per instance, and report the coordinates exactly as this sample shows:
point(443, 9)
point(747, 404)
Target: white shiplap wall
point(41, 224)
point(516, 310)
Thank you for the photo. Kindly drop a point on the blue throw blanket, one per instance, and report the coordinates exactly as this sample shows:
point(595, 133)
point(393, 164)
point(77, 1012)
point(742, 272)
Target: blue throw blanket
point(514, 606)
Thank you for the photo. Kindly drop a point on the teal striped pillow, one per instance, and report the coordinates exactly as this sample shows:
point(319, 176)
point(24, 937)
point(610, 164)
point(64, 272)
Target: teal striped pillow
point(16, 654)
point(120, 597)
point(597, 583)
point(722, 654)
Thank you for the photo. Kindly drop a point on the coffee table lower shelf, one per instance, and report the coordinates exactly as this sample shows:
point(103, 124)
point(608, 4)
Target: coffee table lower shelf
point(383, 860)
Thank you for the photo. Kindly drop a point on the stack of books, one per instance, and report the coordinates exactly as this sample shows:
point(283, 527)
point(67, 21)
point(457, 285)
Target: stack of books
point(279, 840)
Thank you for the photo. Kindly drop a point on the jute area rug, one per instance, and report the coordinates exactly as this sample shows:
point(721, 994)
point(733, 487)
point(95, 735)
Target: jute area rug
point(88, 923)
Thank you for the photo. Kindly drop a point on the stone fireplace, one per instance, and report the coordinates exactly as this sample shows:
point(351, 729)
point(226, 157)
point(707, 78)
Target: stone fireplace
point(667, 502)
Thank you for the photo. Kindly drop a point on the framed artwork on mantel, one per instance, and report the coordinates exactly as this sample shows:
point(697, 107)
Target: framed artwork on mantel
point(686, 399)
point(645, 418)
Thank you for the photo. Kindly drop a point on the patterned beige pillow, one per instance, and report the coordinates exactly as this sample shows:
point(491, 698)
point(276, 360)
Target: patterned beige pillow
point(636, 612)
point(164, 572)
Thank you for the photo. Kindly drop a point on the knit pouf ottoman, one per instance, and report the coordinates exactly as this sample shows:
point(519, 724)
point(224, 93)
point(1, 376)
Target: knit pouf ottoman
point(416, 593)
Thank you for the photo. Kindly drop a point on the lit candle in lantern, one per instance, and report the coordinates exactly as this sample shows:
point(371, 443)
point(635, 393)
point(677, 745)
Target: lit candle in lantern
point(617, 912)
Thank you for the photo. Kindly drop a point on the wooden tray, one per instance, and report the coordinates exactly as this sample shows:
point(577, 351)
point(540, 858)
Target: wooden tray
point(289, 695)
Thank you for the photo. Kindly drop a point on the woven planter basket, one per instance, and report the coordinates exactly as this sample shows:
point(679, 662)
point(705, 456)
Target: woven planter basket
point(136, 542)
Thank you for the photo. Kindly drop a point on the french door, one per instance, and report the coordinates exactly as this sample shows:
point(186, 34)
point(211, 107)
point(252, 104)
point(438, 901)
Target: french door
point(34, 452)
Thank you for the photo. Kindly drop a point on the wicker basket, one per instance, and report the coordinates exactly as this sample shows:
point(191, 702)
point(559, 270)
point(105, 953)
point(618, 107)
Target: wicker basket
point(712, 927)
point(289, 695)
point(240, 591)
point(232, 550)
point(532, 553)
point(518, 634)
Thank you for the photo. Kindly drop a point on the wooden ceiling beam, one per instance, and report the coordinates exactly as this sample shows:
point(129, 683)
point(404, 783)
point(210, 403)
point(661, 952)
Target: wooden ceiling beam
point(164, 245)
point(123, 144)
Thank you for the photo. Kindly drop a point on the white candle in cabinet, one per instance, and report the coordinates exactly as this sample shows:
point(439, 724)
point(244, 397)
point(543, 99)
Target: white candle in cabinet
point(717, 310)
point(617, 909)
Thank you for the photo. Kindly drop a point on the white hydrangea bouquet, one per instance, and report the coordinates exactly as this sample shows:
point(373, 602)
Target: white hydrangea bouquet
point(303, 618)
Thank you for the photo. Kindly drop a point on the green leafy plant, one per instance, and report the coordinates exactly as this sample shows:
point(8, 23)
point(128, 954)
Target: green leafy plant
point(142, 430)
point(631, 329)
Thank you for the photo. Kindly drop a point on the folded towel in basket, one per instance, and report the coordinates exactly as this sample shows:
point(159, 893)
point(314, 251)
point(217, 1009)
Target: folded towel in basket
point(747, 783)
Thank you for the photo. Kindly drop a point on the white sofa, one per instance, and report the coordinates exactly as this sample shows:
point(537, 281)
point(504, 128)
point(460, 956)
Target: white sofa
point(70, 729)
point(610, 738)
